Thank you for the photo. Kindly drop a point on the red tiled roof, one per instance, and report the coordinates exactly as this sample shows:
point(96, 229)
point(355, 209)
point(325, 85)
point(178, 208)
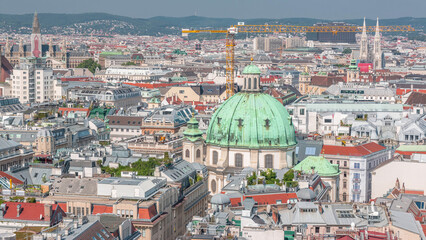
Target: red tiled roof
point(29, 211)
point(263, 199)
point(416, 192)
point(61, 205)
point(409, 153)
point(4, 63)
point(14, 180)
point(326, 81)
point(424, 228)
point(345, 238)
point(402, 91)
point(174, 100)
point(99, 209)
point(148, 213)
point(416, 98)
point(360, 150)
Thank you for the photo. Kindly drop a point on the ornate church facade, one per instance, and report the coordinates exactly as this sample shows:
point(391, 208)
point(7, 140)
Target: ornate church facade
point(250, 129)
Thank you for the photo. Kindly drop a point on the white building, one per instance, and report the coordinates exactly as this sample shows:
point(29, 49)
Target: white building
point(361, 160)
point(32, 82)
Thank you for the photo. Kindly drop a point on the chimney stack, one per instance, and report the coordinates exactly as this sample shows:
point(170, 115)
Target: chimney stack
point(47, 212)
point(18, 210)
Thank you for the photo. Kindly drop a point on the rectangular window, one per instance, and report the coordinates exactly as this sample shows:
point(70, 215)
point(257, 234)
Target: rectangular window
point(357, 175)
point(302, 111)
point(327, 120)
point(317, 229)
point(310, 151)
point(356, 165)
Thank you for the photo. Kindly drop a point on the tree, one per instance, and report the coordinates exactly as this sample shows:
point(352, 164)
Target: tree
point(89, 64)
point(347, 51)
point(288, 176)
point(128, 64)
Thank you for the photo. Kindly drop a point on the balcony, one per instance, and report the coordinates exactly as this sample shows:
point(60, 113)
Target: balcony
point(356, 180)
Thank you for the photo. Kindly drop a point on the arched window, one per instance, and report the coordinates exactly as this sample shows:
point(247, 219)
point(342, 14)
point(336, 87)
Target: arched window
point(269, 161)
point(198, 153)
point(187, 153)
point(238, 160)
point(245, 83)
point(255, 83)
point(215, 157)
point(213, 186)
point(249, 83)
point(344, 197)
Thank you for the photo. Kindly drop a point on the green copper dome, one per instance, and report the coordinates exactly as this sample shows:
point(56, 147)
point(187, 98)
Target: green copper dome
point(251, 69)
point(251, 120)
point(320, 165)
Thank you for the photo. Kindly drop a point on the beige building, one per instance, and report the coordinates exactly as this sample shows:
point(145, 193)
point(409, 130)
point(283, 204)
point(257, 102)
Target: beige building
point(200, 93)
point(410, 173)
point(157, 207)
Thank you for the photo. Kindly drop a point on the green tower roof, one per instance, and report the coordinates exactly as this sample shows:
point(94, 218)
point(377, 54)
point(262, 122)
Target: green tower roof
point(353, 65)
point(321, 166)
point(192, 133)
point(251, 120)
point(251, 69)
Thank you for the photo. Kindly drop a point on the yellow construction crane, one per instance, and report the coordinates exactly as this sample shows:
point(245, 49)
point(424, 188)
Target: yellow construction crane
point(242, 28)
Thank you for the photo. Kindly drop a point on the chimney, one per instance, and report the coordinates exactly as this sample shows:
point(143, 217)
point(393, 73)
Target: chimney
point(18, 210)
point(321, 210)
point(47, 212)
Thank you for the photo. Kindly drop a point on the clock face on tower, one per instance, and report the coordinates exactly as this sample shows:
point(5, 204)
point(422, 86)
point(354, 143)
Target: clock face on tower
point(36, 51)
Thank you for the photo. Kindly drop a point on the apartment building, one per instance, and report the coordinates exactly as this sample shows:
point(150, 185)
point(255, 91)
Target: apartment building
point(32, 82)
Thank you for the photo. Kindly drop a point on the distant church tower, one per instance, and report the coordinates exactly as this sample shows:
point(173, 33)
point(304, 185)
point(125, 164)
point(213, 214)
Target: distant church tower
point(377, 51)
point(36, 38)
point(363, 51)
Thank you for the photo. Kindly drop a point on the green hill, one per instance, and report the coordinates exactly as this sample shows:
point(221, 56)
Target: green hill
point(102, 23)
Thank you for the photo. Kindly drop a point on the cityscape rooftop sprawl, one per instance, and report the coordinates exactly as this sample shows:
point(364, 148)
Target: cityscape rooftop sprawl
point(318, 134)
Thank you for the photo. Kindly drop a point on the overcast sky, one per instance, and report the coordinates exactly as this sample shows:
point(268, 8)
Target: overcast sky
point(323, 9)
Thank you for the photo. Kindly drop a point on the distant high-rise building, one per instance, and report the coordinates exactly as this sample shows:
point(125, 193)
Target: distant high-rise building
point(340, 37)
point(295, 42)
point(267, 44)
point(36, 38)
point(363, 50)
